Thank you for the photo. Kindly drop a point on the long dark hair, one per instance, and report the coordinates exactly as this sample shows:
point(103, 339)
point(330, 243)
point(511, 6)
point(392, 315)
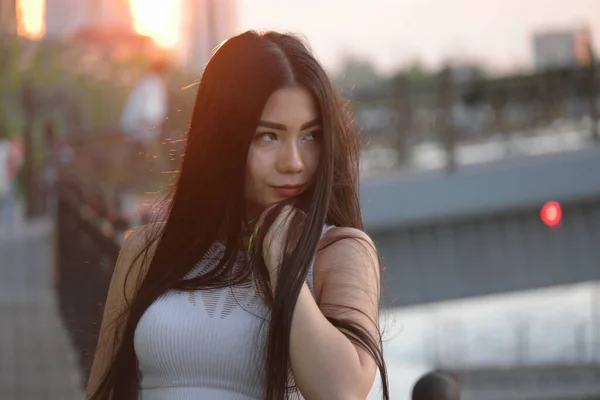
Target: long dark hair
point(208, 201)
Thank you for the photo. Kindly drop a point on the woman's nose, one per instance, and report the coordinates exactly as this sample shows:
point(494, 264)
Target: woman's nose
point(290, 159)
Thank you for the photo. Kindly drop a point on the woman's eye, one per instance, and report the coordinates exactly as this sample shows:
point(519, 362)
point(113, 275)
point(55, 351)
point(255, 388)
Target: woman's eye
point(314, 135)
point(266, 137)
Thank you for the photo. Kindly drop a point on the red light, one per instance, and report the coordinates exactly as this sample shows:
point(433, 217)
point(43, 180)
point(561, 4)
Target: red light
point(551, 213)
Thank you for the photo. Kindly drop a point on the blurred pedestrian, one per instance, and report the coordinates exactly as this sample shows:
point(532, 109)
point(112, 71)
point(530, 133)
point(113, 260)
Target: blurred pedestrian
point(436, 385)
point(260, 283)
point(143, 118)
point(146, 107)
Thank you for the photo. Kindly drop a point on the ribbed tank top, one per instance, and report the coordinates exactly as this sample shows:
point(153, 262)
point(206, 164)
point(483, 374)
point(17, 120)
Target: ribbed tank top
point(206, 344)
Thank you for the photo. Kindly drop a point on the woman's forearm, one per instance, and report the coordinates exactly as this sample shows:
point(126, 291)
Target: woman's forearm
point(324, 361)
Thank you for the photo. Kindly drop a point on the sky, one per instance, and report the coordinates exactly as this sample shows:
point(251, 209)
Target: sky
point(394, 33)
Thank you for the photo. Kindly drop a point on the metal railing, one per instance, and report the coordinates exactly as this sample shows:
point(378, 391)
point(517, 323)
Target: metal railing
point(89, 235)
point(448, 114)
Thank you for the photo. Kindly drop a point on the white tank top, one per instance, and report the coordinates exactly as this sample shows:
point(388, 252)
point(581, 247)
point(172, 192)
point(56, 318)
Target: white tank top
point(206, 344)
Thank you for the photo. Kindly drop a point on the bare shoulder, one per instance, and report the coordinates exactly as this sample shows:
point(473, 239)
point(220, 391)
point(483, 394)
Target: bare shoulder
point(345, 246)
point(348, 235)
point(134, 260)
point(346, 257)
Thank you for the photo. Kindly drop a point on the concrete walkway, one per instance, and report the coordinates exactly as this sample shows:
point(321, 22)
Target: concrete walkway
point(37, 360)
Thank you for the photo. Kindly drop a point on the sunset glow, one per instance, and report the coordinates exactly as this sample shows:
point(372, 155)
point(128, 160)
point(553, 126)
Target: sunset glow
point(159, 19)
point(30, 17)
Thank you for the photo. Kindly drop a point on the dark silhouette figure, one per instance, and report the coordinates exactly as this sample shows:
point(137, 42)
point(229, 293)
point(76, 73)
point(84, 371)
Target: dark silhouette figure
point(436, 385)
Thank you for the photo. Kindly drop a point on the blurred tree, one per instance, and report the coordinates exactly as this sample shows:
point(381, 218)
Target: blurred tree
point(359, 75)
point(419, 76)
point(79, 93)
point(417, 79)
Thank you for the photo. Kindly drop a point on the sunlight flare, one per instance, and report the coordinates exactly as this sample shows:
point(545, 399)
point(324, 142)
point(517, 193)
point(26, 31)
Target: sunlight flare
point(30, 18)
point(159, 19)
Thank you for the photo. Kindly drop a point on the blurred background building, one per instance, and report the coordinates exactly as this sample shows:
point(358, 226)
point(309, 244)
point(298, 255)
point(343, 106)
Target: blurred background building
point(205, 24)
point(561, 49)
point(8, 18)
point(64, 18)
point(116, 13)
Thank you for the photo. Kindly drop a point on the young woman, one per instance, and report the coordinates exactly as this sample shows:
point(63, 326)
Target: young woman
point(260, 284)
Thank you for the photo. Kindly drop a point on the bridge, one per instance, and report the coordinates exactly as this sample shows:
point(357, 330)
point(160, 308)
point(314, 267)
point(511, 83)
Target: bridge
point(478, 230)
point(478, 234)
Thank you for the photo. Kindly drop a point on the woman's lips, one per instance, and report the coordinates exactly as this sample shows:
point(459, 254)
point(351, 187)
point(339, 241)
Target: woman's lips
point(288, 191)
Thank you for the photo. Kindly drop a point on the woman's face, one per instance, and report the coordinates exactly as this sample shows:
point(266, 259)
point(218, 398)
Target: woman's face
point(284, 154)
